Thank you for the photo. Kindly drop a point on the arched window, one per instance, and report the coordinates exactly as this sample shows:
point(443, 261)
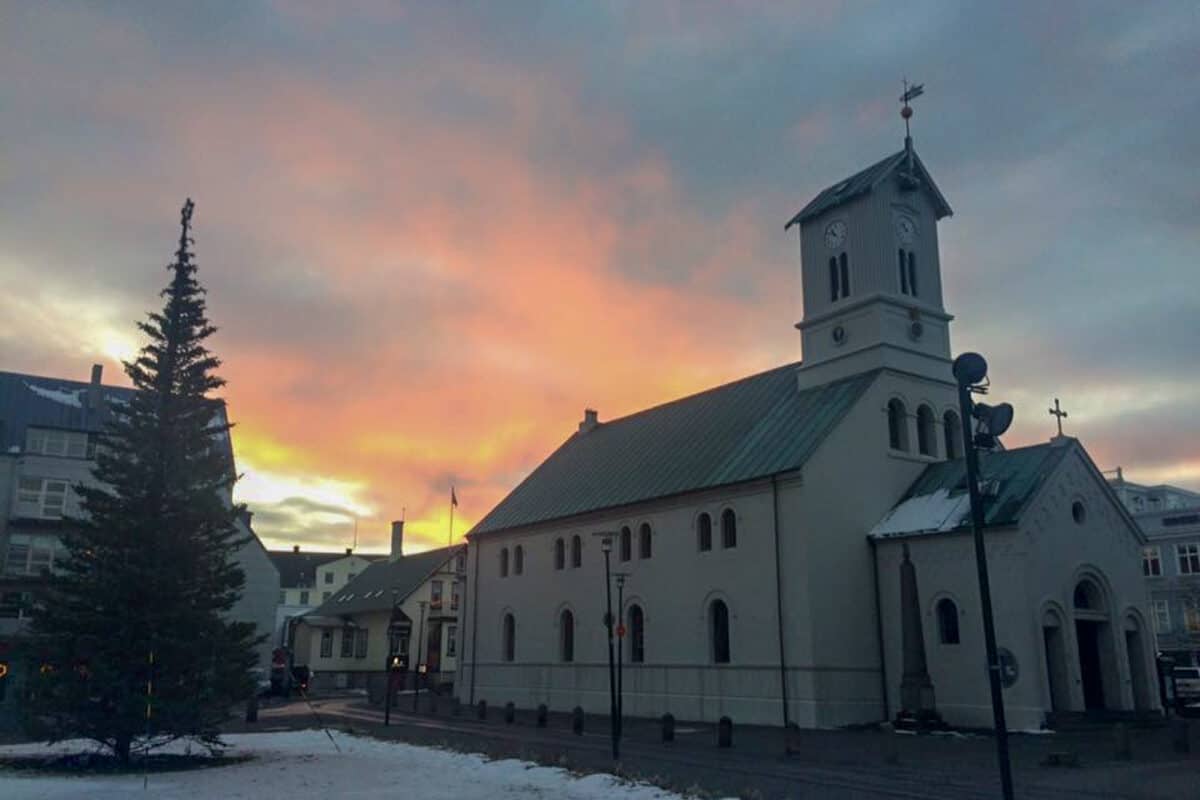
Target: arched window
point(845, 263)
point(504, 562)
point(626, 544)
point(903, 271)
point(704, 532)
point(947, 620)
point(510, 638)
point(912, 273)
point(728, 528)
point(560, 553)
point(518, 560)
point(637, 635)
point(576, 552)
point(833, 279)
point(952, 435)
point(1088, 597)
point(718, 631)
point(926, 431)
point(566, 636)
point(644, 543)
point(897, 425)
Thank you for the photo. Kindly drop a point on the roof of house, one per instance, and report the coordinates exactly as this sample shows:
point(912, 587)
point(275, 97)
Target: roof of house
point(300, 568)
point(36, 401)
point(372, 590)
point(752, 428)
point(938, 501)
point(864, 181)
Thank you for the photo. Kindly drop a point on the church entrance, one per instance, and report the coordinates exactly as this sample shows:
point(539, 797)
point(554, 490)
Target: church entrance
point(1091, 671)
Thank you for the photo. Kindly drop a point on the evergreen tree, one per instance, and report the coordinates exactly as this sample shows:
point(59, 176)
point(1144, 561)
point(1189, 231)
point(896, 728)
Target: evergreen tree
point(134, 633)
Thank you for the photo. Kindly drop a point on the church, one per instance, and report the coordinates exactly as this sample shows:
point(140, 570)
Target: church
point(763, 533)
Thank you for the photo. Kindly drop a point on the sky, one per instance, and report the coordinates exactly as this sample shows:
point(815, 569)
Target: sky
point(432, 234)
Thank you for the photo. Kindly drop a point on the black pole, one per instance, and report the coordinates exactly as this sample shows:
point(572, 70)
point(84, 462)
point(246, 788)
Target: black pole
point(620, 655)
point(387, 686)
point(985, 592)
point(612, 672)
point(417, 666)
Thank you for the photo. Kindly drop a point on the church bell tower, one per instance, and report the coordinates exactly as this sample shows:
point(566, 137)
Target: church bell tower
point(870, 272)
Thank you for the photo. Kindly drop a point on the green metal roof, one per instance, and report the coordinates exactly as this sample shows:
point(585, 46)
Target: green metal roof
point(866, 180)
point(1010, 478)
point(751, 428)
point(371, 590)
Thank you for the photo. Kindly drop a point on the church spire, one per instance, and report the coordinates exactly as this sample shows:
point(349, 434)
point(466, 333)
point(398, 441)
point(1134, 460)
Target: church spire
point(909, 176)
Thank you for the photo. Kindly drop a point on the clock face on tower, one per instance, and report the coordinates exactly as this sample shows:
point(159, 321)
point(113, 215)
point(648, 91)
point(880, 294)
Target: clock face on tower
point(906, 229)
point(835, 234)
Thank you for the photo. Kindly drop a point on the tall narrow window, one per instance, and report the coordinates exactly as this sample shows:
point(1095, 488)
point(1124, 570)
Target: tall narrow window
point(644, 543)
point(947, 618)
point(833, 279)
point(510, 638)
point(504, 562)
point(926, 428)
point(327, 643)
point(728, 529)
point(566, 636)
point(897, 418)
point(718, 626)
point(576, 552)
point(953, 435)
point(560, 554)
point(845, 263)
point(518, 559)
point(1151, 562)
point(626, 544)
point(637, 635)
point(347, 642)
point(903, 272)
point(912, 273)
point(704, 532)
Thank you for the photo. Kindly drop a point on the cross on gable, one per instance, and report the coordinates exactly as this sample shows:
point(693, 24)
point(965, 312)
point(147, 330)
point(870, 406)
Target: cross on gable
point(1059, 415)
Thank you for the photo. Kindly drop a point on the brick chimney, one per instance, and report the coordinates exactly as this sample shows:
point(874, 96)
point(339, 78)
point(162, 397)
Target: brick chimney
point(397, 539)
point(590, 420)
point(295, 548)
point(94, 390)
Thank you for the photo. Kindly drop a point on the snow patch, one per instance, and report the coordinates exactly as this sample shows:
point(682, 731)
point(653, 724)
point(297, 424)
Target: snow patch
point(73, 399)
point(940, 511)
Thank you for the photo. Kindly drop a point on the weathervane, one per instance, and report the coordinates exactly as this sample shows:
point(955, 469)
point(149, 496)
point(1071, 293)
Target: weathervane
point(910, 93)
point(1059, 415)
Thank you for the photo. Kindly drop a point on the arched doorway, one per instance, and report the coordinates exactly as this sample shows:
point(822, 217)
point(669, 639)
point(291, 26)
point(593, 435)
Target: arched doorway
point(1058, 678)
point(1135, 651)
point(1094, 640)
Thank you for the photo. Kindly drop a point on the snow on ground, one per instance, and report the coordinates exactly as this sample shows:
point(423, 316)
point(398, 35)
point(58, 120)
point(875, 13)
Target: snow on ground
point(297, 764)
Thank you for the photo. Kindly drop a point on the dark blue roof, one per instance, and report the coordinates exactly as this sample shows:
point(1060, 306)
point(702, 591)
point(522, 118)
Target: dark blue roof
point(34, 401)
point(753, 428)
point(862, 182)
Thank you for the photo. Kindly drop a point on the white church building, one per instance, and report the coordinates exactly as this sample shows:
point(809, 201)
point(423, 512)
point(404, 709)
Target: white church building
point(760, 526)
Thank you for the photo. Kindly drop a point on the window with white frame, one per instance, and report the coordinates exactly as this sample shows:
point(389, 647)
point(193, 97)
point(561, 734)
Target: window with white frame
point(435, 594)
point(41, 497)
point(1162, 616)
point(360, 642)
point(29, 554)
point(327, 643)
point(347, 642)
point(451, 640)
point(1191, 614)
point(329, 577)
point(455, 595)
point(53, 442)
point(303, 598)
point(1189, 558)
point(1151, 562)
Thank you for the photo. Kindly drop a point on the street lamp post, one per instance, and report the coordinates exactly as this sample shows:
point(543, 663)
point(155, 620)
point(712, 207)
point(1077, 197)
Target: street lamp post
point(389, 673)
point(620, 576)
point(970, 370)
point(606, 547)
point(418, 666)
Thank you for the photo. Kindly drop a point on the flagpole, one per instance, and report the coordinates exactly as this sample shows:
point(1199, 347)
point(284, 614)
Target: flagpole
point(450, 542)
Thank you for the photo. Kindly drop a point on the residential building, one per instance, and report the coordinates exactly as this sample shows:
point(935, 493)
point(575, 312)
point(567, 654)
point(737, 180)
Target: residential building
point(1139, 498)
point(49, 428)
point(764, 527)
point(406, 605)
point(309, 578)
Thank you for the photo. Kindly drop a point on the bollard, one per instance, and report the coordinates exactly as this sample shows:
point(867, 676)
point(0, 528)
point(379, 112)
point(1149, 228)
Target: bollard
point(1122, 751)
point(252, 709)
point(725, 732)
point(577, 721)
point(791, 740)
point(510, 713)
point(668, 727)
point(542, 712)
point(482, 709)
point(1181, 738)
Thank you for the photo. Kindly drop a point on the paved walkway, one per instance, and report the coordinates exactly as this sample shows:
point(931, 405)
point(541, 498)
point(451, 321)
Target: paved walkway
point(821, 764)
